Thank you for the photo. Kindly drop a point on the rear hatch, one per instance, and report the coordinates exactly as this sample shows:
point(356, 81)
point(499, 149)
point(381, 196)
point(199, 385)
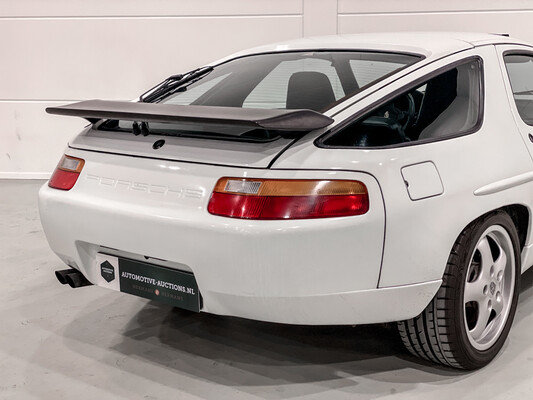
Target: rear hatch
point(241, 112)
point(201, 134)
point(220, 152)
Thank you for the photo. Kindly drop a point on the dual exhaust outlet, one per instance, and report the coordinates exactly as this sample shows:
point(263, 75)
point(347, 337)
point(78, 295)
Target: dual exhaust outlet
point(73, 277)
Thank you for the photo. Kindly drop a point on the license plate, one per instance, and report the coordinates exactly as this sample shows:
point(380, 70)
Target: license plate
point(170, 286)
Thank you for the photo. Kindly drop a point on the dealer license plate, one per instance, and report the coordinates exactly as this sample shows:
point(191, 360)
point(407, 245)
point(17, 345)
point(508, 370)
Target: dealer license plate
point(170, 286)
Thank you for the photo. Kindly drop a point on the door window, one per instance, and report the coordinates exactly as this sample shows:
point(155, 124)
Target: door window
point(520, 71)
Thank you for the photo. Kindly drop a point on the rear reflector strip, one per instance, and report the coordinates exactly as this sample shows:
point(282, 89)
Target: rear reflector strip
point(66, 173)
point(271, 199)
point(242, 186)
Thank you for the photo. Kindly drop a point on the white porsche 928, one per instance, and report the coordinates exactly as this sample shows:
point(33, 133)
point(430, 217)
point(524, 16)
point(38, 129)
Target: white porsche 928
point(339, 180)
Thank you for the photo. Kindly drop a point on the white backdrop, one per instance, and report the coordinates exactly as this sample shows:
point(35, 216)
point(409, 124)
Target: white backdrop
point(59, 51)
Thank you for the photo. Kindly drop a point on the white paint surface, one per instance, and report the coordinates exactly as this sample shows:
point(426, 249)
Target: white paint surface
point(60, 51)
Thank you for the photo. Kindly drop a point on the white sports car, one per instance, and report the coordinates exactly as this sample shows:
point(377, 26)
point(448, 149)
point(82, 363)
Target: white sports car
point(339, 180)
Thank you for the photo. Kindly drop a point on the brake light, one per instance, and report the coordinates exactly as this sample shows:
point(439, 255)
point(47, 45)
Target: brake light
point(287, 198)
point(66, 173)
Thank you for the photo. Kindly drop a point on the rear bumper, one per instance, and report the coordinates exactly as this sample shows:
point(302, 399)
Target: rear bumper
point(315, 272)
point(356, 307)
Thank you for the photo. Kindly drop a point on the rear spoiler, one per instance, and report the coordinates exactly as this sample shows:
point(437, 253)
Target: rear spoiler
point(278, 120)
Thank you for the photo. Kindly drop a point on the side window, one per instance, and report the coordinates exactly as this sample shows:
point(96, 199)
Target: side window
point(520, 71)
point(271, 92)
point(444, 106)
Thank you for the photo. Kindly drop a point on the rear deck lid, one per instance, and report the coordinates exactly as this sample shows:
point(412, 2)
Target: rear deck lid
point(206, 134)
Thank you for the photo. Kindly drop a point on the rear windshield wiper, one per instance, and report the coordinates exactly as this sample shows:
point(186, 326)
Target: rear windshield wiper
point(173, 82)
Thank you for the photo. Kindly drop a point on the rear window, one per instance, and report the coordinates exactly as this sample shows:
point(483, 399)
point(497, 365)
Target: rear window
point(308, 80)
point(315, 80)
point(368, 70)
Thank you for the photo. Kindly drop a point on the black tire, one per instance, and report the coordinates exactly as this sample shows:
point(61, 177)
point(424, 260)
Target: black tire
point(441, 332)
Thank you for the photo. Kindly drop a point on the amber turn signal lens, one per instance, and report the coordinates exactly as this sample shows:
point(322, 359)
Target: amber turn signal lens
point(252, 198)
point(66, 173)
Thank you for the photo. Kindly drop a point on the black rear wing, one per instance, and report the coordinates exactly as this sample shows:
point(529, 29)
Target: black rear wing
point(278, 120)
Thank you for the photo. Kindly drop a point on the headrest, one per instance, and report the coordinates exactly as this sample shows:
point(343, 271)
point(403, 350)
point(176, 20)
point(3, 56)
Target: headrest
point(309, 90)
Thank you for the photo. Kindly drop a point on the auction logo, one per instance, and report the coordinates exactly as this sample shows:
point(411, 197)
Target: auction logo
point(107, 271)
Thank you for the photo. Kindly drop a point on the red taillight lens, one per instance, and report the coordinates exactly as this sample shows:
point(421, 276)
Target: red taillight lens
point(288, 198)
point(66, 173)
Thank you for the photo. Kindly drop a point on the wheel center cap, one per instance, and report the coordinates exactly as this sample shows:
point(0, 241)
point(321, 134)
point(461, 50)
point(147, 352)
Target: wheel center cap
point(492, 288)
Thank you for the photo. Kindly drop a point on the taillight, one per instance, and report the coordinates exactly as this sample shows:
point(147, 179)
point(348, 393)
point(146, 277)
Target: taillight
point(66, 173)
point(287, 198)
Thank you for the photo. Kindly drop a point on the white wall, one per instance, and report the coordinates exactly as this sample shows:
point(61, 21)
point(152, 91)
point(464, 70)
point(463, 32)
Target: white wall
point(59, 51)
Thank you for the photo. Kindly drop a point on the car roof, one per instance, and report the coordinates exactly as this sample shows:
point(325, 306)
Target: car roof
point(428, 44)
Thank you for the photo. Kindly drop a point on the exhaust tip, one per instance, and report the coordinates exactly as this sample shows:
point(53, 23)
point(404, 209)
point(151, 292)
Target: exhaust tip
point(76, 280)
point(62, 275)
point(72, 277)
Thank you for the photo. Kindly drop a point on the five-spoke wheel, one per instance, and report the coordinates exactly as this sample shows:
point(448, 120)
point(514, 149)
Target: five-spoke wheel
point(489, 287)
point(468, 320)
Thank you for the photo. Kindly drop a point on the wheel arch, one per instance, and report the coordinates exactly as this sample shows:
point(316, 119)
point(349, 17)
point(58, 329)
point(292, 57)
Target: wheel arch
point(521, 217)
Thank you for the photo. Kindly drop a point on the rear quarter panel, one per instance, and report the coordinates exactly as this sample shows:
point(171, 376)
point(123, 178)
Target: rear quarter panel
point(420, 234)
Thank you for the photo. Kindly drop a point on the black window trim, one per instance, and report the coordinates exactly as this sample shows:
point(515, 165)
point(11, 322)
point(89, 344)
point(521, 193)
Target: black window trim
point(319, 141)
point(517, 52)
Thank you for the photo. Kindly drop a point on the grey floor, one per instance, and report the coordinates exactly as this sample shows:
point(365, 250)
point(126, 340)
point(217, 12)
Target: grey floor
point(90, 343)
